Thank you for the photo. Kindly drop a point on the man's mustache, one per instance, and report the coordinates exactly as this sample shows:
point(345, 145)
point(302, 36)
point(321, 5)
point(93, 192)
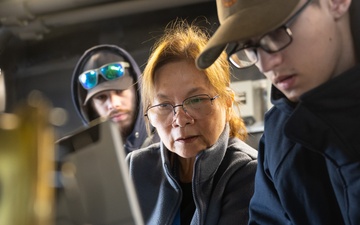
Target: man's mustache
point(117, 111)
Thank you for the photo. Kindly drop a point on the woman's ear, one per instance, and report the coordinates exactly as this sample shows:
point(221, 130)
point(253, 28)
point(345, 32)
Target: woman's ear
point(229, 104)
point(231, 99)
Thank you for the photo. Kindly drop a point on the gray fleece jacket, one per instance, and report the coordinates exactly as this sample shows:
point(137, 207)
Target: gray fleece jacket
point(221, 193)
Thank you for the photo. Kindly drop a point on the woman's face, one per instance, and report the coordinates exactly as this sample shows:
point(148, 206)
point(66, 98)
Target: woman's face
point(187, 135)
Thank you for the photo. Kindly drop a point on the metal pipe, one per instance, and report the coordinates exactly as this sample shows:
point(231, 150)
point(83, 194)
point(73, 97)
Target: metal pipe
point(111, 10)
point(28, 9)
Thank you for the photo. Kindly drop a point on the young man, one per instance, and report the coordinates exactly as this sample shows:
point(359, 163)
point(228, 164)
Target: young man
point(309, 157)
point(106, 84)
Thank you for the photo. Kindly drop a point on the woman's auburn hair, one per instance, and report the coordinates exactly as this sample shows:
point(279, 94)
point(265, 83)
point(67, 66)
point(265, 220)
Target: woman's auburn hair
point(184, 41)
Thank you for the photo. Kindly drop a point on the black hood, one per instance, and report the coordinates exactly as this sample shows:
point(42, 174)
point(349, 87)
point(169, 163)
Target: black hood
point(94, 58)
point(105, 54)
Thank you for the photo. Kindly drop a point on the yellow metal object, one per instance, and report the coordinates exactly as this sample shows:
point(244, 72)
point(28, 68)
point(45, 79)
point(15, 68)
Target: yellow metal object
point(27, 164)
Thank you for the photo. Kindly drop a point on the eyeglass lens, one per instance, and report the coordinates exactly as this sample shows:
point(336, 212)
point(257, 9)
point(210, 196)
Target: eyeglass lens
point(197, 107)
point(271, 42)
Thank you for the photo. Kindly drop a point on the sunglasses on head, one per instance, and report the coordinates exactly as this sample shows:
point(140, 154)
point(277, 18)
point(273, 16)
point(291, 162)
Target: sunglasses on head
point(112, 71)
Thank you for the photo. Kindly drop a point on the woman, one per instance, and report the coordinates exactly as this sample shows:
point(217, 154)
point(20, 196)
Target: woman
point(201, 172)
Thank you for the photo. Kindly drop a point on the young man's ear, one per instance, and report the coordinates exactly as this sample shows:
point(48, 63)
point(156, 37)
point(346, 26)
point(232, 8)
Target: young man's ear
point(339, 7)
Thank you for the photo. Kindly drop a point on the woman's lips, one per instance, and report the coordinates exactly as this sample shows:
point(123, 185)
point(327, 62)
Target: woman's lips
point(186, 139)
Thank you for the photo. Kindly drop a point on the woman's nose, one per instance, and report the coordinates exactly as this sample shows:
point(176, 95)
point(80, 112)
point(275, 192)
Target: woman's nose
point(181, 118)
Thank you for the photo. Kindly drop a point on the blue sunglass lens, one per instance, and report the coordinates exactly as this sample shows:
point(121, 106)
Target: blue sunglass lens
point(112, 71)
point(88, 80)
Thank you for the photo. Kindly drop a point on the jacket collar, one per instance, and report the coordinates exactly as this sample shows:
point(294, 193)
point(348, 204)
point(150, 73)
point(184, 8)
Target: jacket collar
point(207, 161)
point(325, 95)
point(328, 115)
point(337, 93)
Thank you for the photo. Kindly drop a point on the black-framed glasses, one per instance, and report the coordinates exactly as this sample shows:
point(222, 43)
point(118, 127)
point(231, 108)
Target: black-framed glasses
point(90, 78)
point(245, 55)
point(197, 107)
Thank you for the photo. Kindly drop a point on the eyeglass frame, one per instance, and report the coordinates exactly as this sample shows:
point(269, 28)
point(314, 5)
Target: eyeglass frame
point(98, 71)
point(182, 104)
point(287, 29)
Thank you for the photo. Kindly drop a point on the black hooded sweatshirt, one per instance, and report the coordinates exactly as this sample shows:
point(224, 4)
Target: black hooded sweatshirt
point(107, 54)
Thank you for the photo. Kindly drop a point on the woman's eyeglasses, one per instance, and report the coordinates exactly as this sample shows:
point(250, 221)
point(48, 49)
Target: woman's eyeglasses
point(246, 55)
point(90, 78)
point(196, 106)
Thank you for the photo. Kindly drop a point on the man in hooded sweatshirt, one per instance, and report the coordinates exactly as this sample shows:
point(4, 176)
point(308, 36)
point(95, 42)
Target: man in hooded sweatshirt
point(105, 83)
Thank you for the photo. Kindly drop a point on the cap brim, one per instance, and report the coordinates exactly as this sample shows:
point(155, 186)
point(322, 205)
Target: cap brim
point(119, 84)
point(245, 24)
